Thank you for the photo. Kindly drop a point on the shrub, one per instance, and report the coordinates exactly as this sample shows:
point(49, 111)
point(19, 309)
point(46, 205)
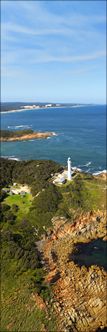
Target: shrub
point(43, 207)
point(15, 208)
point(48, 200)
point(21, 248)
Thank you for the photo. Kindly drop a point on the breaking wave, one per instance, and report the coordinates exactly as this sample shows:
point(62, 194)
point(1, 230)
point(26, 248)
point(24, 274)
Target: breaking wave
point(77, 106)
point(100, 172)
point(21, 126)
point(10, 158)
point(77, 169)
point(30, 140)
point(86, 165)
point(13, 111)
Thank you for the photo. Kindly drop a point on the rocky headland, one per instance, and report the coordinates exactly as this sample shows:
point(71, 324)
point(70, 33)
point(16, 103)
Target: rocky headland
point(24, 135)
point(53, 247)
point(79, 291)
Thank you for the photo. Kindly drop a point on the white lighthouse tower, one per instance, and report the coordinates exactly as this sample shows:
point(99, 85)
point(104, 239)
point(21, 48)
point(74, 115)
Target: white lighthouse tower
point(69, 168)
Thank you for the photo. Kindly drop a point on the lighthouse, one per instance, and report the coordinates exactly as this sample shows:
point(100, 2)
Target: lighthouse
point(69, 168)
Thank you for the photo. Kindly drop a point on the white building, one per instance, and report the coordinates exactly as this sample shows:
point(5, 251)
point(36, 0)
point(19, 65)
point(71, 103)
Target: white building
point(48, 105)
point(69, 168)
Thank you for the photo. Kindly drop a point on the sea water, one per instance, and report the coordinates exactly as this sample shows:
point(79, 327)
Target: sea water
point(81, 135)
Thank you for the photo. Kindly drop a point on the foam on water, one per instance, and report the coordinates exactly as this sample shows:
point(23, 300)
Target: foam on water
point(17, 159)
point(31, 140)
point(77, 106)
point(81, 135)
point(21, 126)
point(14, 111)
point(72, 169)
point(100, 172)
point(86, 165)
point(10, 158)
point(77, 169)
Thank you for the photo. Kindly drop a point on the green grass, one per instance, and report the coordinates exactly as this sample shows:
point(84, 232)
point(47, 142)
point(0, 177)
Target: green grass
point(24, 204)
point(19, 309)
point(20, 312)
point(86, 195)
point(97, 193)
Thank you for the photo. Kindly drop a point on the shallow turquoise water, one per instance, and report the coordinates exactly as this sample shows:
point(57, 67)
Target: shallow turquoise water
point(81, 134)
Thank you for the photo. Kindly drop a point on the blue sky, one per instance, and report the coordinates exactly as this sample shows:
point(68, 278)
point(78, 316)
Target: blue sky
point(53, 51)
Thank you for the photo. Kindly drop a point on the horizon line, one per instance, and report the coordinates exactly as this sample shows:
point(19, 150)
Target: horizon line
point(58, 102)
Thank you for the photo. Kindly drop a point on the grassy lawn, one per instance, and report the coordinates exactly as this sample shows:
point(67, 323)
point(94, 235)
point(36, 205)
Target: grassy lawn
point(23, 203)
point(97, 193)
point(90, 192)
point(19, 309)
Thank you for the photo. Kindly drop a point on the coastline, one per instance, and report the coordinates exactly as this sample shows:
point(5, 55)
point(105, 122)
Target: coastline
point(97, 174)
point(42, 108)
point(31, 109)
point(69, 139)
point(26, 137)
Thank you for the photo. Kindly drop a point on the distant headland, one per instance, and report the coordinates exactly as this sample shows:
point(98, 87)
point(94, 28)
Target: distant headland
point(20, 135)
point(21, 106)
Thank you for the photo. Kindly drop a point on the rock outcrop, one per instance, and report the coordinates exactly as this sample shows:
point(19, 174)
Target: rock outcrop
point(79, 292)
point(26, 137)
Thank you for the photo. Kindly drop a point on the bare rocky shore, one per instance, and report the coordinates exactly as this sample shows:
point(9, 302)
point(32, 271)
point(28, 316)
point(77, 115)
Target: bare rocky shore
point(79, 292)
point(34, 135)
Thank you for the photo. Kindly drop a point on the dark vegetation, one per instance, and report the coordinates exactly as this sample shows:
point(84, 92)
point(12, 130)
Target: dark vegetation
point(21, 248)
point(15, 133)
point(44, 206)
point(22, 277)
point(34, 173)
point(8, 106)
point(21, 262)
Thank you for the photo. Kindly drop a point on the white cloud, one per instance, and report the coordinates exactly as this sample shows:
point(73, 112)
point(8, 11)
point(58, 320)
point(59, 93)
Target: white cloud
point(39, 20)
point(39, 10)
point(45, 29)
point(42, 57)
point(12, 27)
point(10, 64)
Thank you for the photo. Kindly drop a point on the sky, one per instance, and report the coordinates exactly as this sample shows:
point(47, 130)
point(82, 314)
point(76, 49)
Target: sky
point(53, 51)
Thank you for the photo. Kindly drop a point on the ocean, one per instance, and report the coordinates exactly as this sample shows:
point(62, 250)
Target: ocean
point(81, 135)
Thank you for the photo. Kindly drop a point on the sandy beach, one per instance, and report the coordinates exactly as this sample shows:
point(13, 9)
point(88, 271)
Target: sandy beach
point(30, 109)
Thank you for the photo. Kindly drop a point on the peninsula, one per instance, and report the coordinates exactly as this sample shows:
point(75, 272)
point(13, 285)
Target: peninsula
point(54, 248)
point(20, 106)
point(20, 135)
